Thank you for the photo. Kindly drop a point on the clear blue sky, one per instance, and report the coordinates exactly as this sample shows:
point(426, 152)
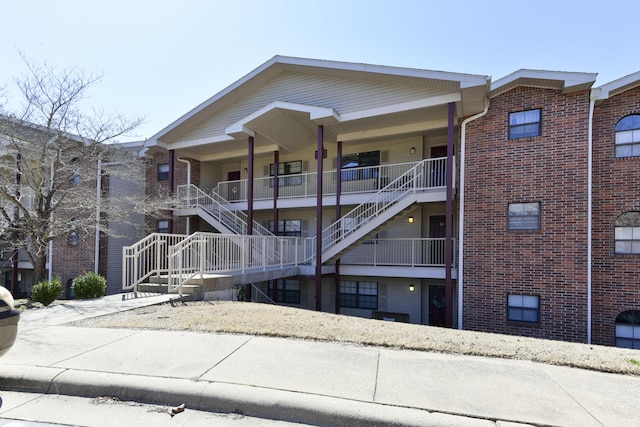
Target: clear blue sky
point(162, 58)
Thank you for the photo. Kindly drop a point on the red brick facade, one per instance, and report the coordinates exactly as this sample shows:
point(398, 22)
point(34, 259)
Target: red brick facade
point(550, 169)
point(616, 186)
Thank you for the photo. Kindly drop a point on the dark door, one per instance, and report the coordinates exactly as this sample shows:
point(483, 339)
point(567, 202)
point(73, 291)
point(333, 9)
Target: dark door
point(234, 185)
point(437, 230)
point(437, 305)
point(438, 177)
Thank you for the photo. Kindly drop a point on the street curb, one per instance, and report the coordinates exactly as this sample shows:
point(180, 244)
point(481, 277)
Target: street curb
point(225, 398)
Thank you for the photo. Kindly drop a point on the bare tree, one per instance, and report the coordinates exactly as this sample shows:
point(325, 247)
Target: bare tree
point(53, 158)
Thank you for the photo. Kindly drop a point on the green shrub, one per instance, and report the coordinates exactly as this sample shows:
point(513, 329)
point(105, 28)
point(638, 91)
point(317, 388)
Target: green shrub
point(46, 291)
point(89, 285)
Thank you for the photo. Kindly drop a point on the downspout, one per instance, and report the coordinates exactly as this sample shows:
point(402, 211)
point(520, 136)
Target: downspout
point(96, 259)
point(595, 94)
point(463, 136)
point(180, 159)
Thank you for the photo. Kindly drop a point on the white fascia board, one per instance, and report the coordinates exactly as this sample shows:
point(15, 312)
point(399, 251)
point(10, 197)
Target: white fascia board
point(404, 106)
point(202, 141)
point(569, 79)
point(315, 113)
point(612, 87)
point(394, 130)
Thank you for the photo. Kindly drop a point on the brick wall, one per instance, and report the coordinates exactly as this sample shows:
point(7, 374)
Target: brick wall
point(616, 184)
point(551, 262)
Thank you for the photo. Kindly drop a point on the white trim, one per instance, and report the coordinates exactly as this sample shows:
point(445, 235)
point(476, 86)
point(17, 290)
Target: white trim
point(612, 88)
point(404, 106)
point(568, 79)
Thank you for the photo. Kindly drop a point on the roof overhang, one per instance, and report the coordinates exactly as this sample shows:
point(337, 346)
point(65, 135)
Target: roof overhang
point(566, 82)
point(618, 86)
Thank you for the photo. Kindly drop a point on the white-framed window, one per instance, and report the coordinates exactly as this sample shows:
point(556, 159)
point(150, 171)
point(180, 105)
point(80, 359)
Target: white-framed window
point(525, 124)
point(524, 216)
point(628, 329)
point(163, 172)
point(364, 165)
point(628, 136)
point(523, 308)
point(162, 226)
point(627, 233)
point(359, 294)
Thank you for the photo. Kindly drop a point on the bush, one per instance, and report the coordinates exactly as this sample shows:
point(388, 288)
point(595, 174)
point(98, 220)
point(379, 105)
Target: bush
point(89, 285)
point(47, 292)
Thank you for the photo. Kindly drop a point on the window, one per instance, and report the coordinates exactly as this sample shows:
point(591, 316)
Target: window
point(162, 226)
point(524, 216)
point(627, 233)
point(525, 124)
point(628, 329)
point(76, 179)
point(287, 168)
point(360, 161)
point(286, 227)
point(163, 172)
point(74, 238)
point(288, 290)
point(355, 294)
point(628, 136)
point(523, 308)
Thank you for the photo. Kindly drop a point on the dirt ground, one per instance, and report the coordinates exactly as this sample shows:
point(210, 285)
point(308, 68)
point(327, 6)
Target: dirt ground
point(279, 321)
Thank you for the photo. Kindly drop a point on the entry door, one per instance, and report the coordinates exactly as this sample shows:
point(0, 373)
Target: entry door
point(234, 185)
point(438, 177)
point(437, 230)
point(437, 305)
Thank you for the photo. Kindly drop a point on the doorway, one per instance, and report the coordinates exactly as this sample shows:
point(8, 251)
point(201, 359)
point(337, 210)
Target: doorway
point(438, 176)
point(437, 230)
point(437, 305)
point(234, 185)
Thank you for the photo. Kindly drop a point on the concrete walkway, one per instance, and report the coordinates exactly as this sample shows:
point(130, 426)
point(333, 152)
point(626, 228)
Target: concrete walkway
point(302, 381)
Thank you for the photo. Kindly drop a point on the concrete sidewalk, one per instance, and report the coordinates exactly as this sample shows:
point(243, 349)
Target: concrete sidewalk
point(302, 381)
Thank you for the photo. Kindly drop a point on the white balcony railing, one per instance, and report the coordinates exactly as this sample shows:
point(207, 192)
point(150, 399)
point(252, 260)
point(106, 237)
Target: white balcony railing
point(368, 179)
point(425, 252)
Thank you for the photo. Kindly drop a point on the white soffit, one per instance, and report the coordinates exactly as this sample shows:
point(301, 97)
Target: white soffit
point(620, 85)
point(565, 81)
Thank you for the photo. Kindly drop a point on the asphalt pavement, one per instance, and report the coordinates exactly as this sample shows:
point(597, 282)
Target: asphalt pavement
point(317, 383)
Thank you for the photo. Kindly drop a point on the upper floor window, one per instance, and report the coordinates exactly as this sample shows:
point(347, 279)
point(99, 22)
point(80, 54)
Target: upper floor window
point(162, 226)
point(360, 161)
point(287, 168)
point(628, 329)
point(627, 233)
point(163, 172)
point(523, 308)
point(524, 216)
point(628, 136)
point(524, 124)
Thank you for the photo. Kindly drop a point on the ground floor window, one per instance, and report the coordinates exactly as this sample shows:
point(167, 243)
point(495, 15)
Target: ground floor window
point(288, 290)
point(287, 227)
point(628, 329)
point(523, 308)
point(162, 226)
point(359, 294)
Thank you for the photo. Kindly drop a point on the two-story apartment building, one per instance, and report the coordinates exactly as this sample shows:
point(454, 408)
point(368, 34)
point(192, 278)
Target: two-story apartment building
point(430, 197)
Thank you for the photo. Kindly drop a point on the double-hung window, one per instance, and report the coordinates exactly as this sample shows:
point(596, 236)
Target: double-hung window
point(628, 136)
point(525, 124)
point(523, 308)
point(288, 290)
point(627, 233)
point(524, 216)
point(628, 329)
point(359, 294)
point(163, 172)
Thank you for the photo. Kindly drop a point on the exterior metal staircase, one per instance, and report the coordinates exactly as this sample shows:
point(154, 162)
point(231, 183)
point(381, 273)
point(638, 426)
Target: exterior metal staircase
point(205, 262)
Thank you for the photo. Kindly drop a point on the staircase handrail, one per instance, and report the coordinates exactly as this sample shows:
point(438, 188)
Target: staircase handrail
point(411, 181)
point(146, 258)
point(219, 208)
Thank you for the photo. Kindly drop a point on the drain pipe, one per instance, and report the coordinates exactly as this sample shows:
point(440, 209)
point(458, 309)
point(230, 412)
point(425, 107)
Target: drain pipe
point(180, 159)
point(595, 94)
point(463, 136)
